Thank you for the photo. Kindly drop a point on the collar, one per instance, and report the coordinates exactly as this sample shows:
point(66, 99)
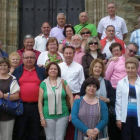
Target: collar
point(110, 41)
point(70, 64)
point(137, 81)
point(59, 27)
point(23, 50)
point(84, 24)
point(112, 18)
point(81, 50)
point(28, 70)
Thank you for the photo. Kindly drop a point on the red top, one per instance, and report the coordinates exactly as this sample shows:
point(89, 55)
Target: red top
point(103, 43)
point(37, 53)
point(29, 86)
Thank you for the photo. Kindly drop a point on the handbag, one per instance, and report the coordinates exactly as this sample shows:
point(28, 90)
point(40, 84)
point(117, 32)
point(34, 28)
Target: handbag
point(107, 138)
point(14, 108)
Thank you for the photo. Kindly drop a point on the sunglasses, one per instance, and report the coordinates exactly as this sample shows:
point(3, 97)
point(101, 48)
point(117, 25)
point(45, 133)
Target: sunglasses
point(83, 33)
point(131, 51)
point(95, 43)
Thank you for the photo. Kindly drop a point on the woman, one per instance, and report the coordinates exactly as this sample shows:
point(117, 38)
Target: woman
point(89, 114)
point(14, 59)
point(68, 33)
point(54, 114)
point(85, 33)
point(7, 84)
point(92, 51)
point(106, 93)
point(128, 102)
point(51, 55)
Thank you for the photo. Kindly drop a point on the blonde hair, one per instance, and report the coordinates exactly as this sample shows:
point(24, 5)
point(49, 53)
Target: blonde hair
point(14, 54)
point(132, 60)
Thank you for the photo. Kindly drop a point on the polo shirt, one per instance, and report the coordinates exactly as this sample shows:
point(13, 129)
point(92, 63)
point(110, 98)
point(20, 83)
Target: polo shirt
point(29, 86)
point(20, 52)
point(117, 22)
point(40, 43)
point(91, 27)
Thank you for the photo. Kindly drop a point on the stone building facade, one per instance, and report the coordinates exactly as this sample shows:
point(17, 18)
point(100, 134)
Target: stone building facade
point(96, 9)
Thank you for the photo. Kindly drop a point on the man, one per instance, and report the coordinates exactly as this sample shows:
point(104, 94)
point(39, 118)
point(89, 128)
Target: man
point(73, 73)
point(28, 46)
point(2, 53)
point(112, 19)
point(109, 39)
point(58, 30)
point(29, 76)
point(41, 40)
point(135, 37)
point(79, 52)
point(116, 69)
point(83, 17)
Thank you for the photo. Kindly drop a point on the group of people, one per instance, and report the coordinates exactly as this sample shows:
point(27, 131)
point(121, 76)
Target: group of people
point(78, 83)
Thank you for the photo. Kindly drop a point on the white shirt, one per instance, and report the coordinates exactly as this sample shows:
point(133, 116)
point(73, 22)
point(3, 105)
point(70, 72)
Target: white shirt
point(44, 56)
point(40, 43)
point(117, 22)
point(106, 49)
point(73, 74)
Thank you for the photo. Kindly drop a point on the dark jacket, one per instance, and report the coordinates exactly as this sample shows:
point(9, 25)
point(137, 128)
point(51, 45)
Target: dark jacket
point(86, 61)
point(40, 72)
point(4, 54)
point(111, 93)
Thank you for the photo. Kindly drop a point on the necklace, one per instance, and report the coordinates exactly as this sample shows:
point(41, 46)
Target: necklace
point(90, 101)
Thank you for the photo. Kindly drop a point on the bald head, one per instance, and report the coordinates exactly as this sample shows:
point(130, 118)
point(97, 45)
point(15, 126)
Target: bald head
point(83, 17)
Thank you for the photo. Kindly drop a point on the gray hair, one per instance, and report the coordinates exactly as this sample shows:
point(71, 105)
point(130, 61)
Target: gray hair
point(61, 14)
point(134, 44)
point(83, 12)
point(76, 35)
point(28, 51)
point(132, 60)
point(111, 3)
point(27, 37)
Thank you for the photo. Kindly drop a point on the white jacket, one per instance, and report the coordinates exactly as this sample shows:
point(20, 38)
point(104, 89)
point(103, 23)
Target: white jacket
point(122, 92)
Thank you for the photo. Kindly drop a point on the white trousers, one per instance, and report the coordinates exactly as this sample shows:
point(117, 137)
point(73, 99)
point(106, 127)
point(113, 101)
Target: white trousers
point(6, 129)
point(56, 128)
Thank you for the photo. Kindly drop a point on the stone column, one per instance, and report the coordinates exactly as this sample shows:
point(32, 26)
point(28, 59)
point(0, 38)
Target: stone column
point(9, 24)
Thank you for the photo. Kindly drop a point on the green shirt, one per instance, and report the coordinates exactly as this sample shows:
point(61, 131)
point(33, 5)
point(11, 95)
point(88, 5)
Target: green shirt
point(91, 27)
point(65, 111)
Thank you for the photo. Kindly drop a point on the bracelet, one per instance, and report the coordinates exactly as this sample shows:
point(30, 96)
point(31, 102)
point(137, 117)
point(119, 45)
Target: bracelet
point(40, 112)
point(41, 118)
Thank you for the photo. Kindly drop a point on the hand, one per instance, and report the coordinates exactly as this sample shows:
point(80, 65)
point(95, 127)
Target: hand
point(43, 123)
point(90, 134)
point(106, 100)
point(113, 59)
point(104, 61)
point(69, 117)
point(1, 94)
point(77, 97)
point(119, 124)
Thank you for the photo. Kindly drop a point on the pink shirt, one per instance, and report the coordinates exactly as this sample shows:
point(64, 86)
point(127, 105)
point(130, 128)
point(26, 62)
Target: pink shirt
point(116, 71)
point(78, 56)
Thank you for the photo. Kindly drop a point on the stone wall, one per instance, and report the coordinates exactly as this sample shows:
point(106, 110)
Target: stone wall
point(9, 24)
point(127, 9)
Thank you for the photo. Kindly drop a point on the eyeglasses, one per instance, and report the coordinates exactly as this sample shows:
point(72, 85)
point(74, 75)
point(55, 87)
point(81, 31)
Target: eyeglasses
point(131, 51)
point(95, 43)
point(52, 44)
point(29, 57)
point(83, 33)
point(3, 66)
point(115, 51)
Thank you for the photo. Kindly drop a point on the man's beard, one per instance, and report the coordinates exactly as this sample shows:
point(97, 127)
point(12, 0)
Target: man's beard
point(77, 45)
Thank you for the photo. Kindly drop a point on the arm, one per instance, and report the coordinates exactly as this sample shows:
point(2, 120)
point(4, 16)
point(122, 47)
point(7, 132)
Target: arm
point(82, 90)
point(85, 65)
point(124, 36)
point(109, 70)
point(81, 76)
point(94, 31)
point(75, 119)
point(60, 48)
point(40, 108)
point(104, 116)
point(12, 97)
point(69, 93)
point(99, 35)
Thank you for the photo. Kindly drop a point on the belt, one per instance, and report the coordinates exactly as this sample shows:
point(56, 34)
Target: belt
point(30, 103)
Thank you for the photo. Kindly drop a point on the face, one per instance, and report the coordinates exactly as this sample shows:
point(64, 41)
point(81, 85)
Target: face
point(14, 61)
point(86, 35)
point(76, 41)
point(83, 18)
point(45, 29)
point(93, 45)
point(110, 32)
point(61, 20)
point(91, 89)
point(116, 51)
point(111, 9)
point(53, 71)
point(3, 68)
point(29, 43)
point(131, 69)
point(29, 59)
point(68, 55)
point(130, 51)
point(69, 32)
point(97, 69)
point(52, 47)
